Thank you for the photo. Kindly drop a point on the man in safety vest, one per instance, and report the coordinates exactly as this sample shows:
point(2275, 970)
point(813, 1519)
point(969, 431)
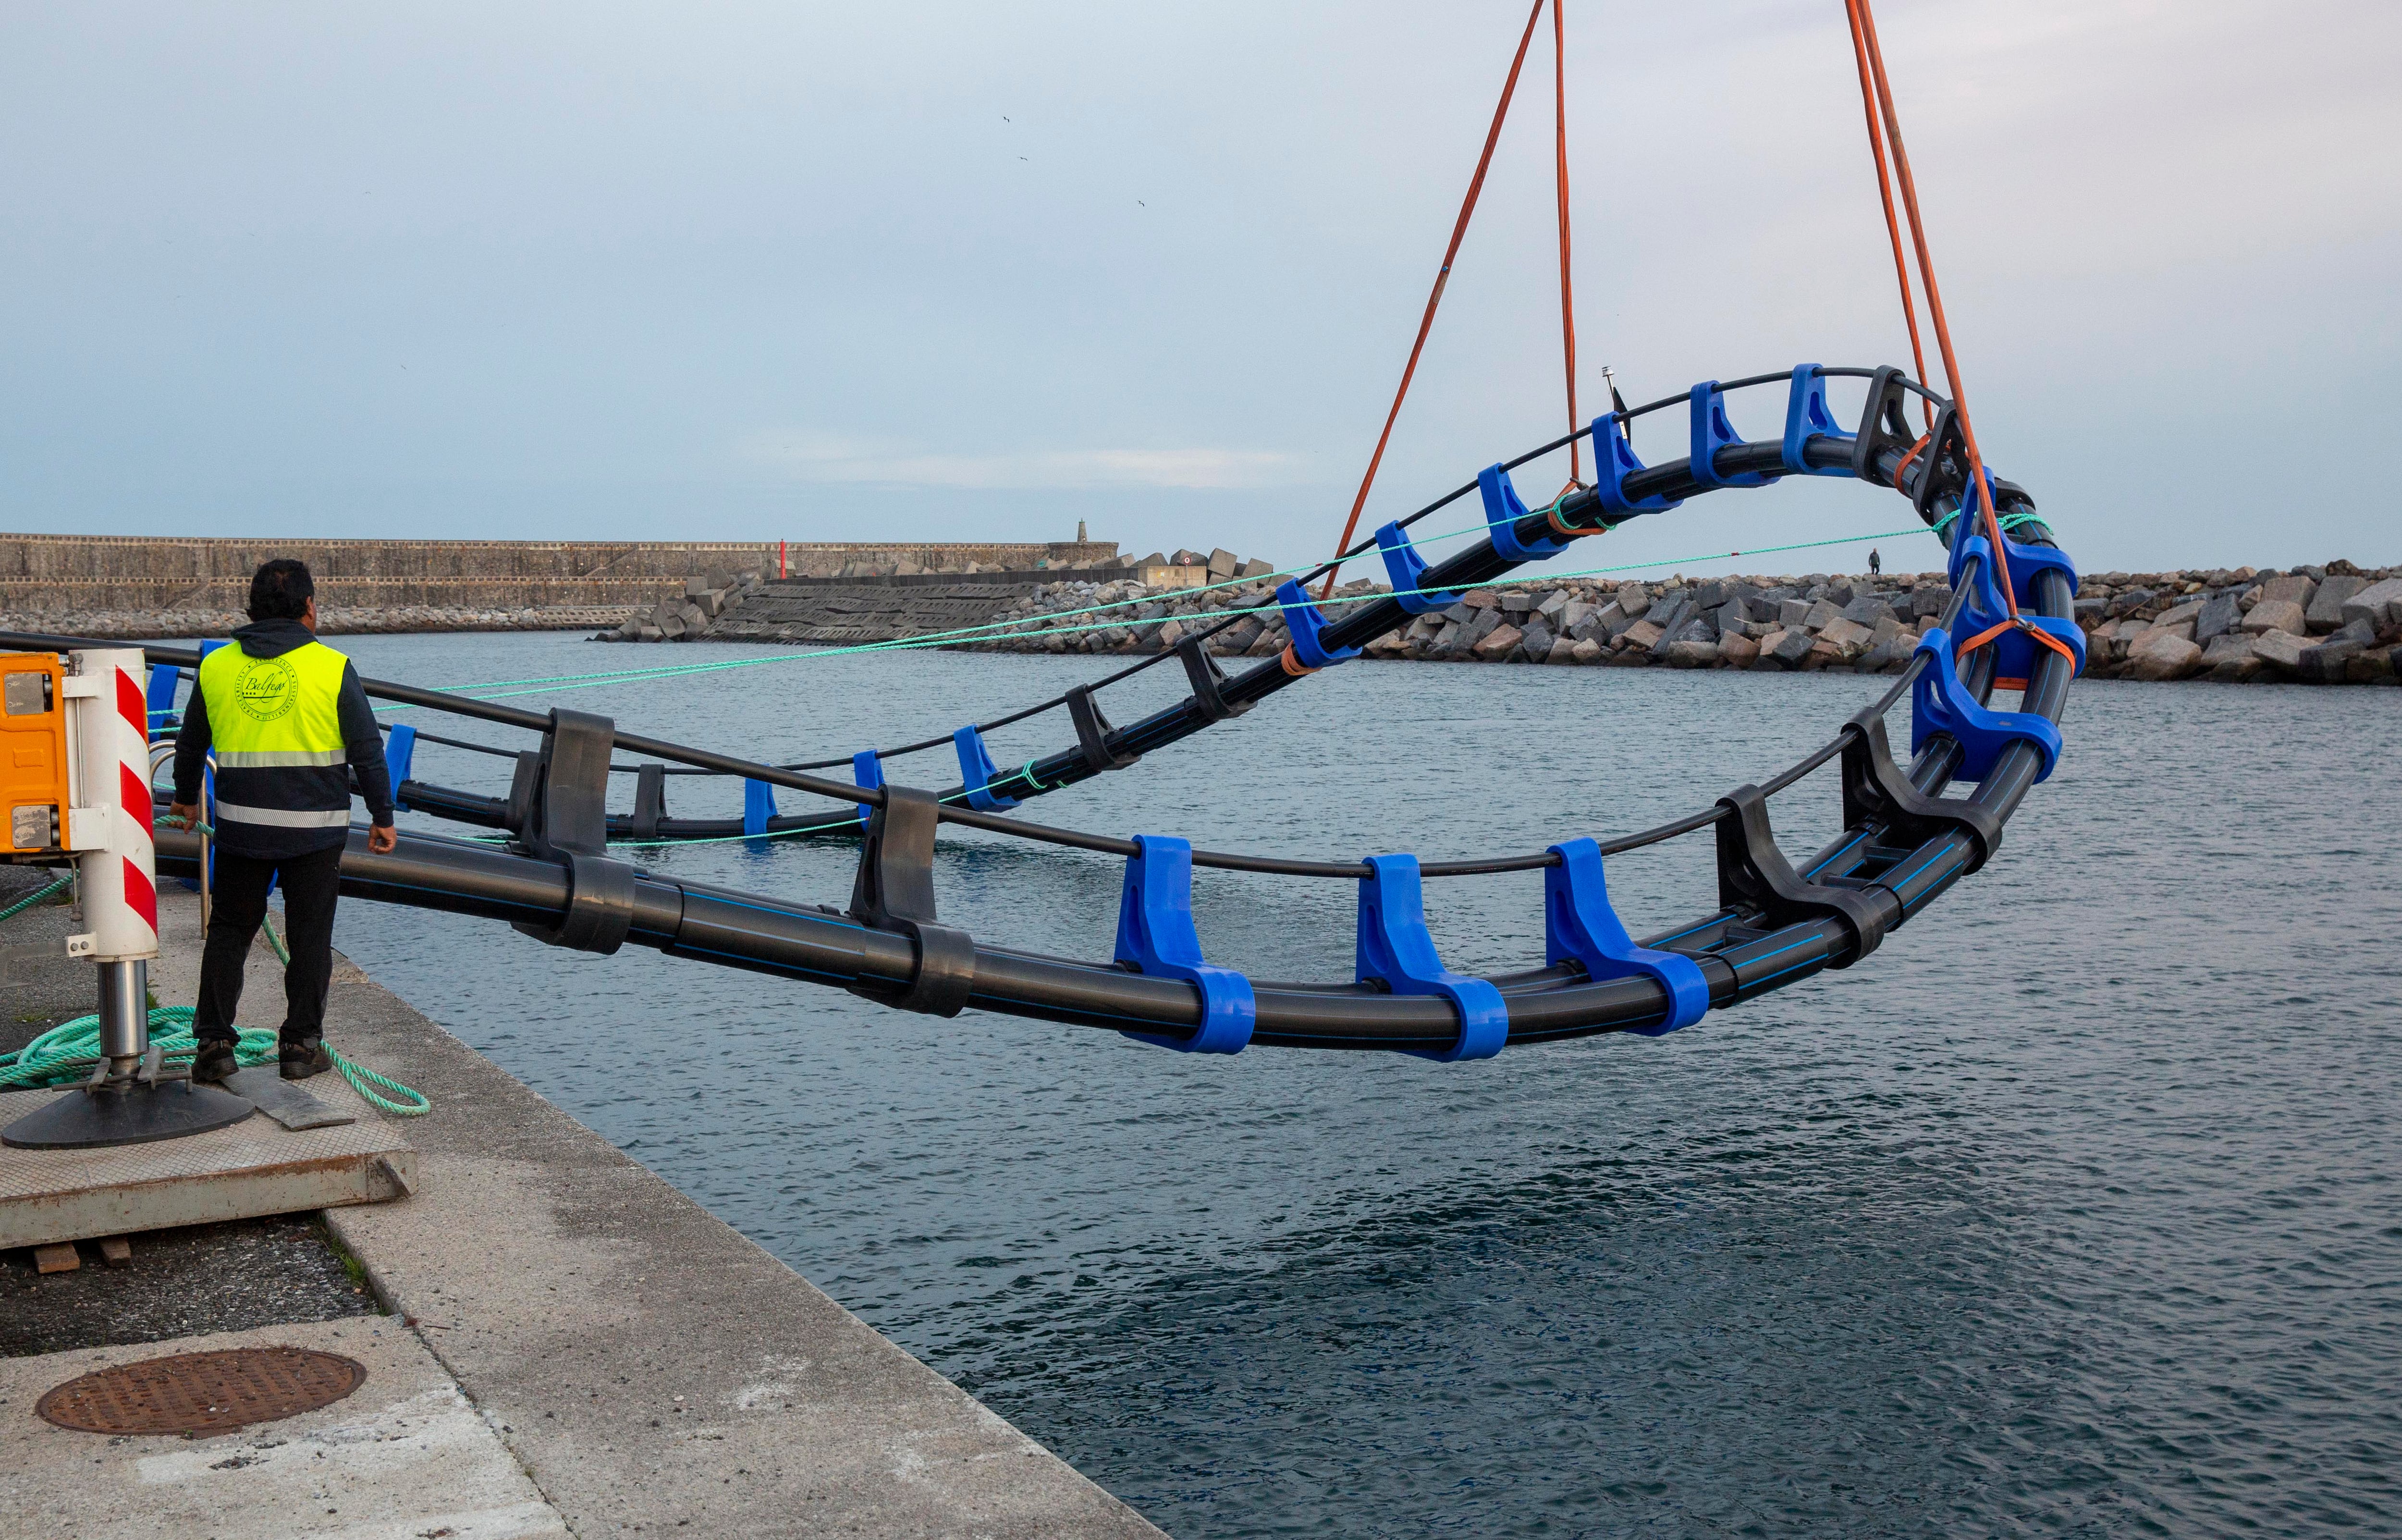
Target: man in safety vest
point(290, 724)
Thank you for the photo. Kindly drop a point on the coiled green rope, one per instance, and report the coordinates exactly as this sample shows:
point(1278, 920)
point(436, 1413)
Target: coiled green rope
point(64, 1055)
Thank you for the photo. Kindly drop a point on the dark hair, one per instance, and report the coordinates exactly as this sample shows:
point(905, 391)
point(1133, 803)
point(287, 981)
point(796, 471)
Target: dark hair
point(282, 590)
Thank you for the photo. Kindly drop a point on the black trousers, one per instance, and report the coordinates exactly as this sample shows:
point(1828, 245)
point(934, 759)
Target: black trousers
point(239, 897)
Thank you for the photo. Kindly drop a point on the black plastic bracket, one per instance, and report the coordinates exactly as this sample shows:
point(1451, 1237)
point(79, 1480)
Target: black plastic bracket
point(1943, 466)
point(1093, 733)
point(524, 786)
point(894, 891)
point(1875, 791)
point(1208, 681)
point(650, 800)
point(1884, 424)
point(559, 808)
point(1753, 873)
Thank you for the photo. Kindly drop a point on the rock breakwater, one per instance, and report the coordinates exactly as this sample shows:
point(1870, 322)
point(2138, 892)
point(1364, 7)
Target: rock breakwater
point(2334, 624)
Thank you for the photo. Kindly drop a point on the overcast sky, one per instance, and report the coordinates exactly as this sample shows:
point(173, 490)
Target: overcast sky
point(939, 271)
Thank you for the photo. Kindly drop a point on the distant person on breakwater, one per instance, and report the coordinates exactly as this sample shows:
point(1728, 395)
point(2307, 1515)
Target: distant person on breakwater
point(1875, 566)
point(290, 723)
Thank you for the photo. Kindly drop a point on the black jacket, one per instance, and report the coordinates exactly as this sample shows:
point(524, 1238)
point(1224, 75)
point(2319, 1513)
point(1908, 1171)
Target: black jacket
point(362, 743)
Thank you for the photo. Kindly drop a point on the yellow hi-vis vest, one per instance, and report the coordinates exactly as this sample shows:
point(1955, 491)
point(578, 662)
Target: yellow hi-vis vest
point(276, 727)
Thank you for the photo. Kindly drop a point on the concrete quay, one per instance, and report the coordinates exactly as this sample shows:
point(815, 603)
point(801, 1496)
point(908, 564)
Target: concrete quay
point(572, 1347)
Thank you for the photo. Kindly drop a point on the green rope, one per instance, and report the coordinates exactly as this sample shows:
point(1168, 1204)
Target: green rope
point(30, 899)
point(997, 630)
point(282, 954)
point(2009, 521)
point(64, 1055)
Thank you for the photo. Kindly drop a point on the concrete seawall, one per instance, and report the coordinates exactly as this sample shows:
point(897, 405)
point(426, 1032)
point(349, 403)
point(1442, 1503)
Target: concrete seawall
point(47, 578)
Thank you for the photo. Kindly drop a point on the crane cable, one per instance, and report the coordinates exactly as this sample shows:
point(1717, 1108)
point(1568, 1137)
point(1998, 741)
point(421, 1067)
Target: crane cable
point(1567, 291)
point(1442, 276)
point(1876, 83)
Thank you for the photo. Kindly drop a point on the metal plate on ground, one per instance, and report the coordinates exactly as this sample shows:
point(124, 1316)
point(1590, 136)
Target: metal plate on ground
point(283, 1100)
point(202, 1393)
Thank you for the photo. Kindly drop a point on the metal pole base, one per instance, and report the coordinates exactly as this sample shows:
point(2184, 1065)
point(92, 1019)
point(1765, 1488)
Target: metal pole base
point(126, 1113)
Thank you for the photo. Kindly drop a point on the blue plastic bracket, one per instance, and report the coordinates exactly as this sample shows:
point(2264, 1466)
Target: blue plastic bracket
point(1503, 509)
point(1407, 569)
point(1806, 418)
point(1394, 948)
point(758, 805)
point(399, 755)
point(2014, 651)
point(1613, 461)
point(1712, 432)
point(1580, 927)
point(867, 770)
point(1939, 702)
point(161, 696)
point(977, 774)
point(1302, 619)
point(1155, 934)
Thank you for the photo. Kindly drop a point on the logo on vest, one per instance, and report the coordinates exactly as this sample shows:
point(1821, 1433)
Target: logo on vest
point(267, 689)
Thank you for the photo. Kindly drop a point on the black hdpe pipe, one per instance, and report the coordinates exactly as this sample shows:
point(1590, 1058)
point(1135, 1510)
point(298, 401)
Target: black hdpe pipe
point(823, 946)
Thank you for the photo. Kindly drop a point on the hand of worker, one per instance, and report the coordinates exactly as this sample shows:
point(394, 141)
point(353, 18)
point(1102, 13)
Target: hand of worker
point(382, 839)
point(183, 814)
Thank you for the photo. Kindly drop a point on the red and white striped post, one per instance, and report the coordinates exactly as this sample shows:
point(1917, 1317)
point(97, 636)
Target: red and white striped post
point(117, 859)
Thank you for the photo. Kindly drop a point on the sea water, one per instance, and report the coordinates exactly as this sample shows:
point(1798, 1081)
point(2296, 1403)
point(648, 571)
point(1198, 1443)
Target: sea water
point(2071, 1210)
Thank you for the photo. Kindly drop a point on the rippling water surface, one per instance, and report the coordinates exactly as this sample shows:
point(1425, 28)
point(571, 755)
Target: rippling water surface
point(2072, 1210)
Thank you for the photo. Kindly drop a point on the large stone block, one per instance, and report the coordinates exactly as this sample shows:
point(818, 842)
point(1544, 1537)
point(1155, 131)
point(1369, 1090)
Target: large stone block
point(1537, 641)
point(2298, 587)
point(1672, 619)
point(2325, 662)
point(2379, 603)
point(1867, 610)
point(1691, 654)
point(1737, 651)
point(1642, 634)
point(2324, 612)
point(1224, 564)
point(1562, 651)
point(1792, 613)
point(2281, 651)
point(1790, 648)
point(1499, 643)
point(1586, 652)
point(2229, 658)
point(2218, 615)
point(2277, 614)
point(2161, 653)
point(1820, 613)
point(1849, 637)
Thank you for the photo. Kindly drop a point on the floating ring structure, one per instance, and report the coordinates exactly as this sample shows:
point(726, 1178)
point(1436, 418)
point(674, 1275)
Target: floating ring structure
point(1904, 841)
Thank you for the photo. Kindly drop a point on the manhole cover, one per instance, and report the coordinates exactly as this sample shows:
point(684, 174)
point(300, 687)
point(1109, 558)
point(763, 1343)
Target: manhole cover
point(202, 1392)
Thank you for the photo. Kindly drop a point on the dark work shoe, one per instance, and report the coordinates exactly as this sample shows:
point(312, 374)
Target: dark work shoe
point(214, 1061)
point(300, 1060)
